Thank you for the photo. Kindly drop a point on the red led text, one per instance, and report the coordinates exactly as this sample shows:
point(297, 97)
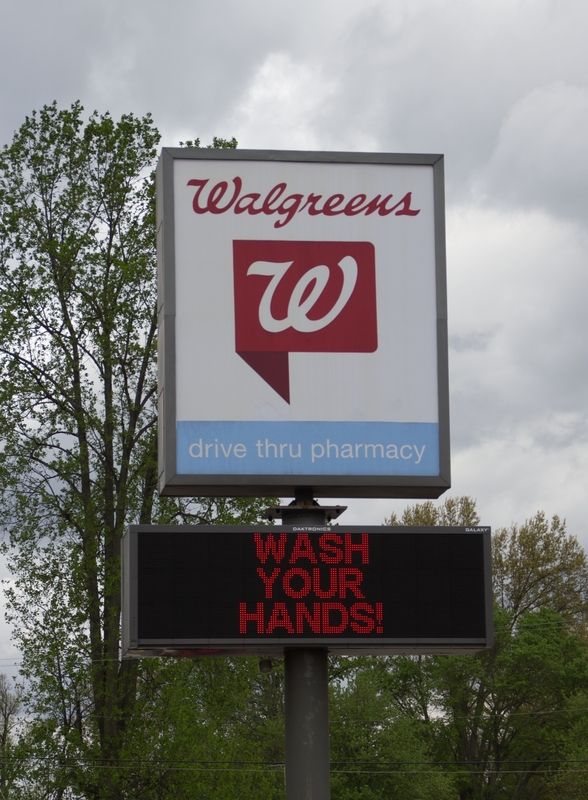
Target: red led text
point(309, 618)
point(311, 585)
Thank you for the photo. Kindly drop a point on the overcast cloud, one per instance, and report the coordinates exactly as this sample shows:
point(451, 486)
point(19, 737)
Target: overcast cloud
point(500, 88)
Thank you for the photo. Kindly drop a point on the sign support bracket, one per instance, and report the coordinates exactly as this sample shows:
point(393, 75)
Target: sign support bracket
point(304, 510)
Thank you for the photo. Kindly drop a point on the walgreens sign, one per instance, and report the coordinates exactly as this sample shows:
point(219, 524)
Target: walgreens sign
point(219, 199)
point(302, 323)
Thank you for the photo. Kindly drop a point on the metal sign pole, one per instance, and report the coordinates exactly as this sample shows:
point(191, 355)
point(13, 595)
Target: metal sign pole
point(307, 724)
point(308, 771)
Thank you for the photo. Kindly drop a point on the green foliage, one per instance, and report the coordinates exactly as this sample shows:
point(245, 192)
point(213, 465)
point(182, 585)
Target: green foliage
point(222, 735)
point(538, 565)
point(378, 752)
point(217, 143)
point(570, 780)
point(78, 426)
point(507, 708)
point(77, 393)
point(505, 722)
point(10, 708)
point(460, 511)
point(477, 727)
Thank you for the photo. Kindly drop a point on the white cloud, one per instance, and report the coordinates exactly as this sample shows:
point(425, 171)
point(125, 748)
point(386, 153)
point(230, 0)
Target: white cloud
point(519, 384)
point(541, 159)
point(517, 288)
point(514, 477)
point(280, 104)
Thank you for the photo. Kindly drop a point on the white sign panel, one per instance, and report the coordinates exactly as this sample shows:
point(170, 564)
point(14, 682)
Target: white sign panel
point(302, 324)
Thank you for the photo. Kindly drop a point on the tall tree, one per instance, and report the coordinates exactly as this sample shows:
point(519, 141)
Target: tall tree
point(78, 418)
point(378, 750)
point(10, 708)
point(460, 511)
point(539, 565)
point(508, 711)
point(505, 720)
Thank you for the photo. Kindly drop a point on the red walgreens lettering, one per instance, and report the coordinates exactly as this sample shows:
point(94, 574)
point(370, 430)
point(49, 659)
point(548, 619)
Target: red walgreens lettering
point(220, 198)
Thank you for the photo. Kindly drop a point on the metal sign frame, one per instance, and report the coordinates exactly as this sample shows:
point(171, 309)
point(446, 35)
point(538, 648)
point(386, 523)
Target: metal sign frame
point(173, 482)
point(204, 582)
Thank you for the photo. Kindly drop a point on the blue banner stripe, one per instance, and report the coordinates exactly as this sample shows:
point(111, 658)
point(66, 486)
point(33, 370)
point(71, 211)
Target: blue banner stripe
point(307, 448)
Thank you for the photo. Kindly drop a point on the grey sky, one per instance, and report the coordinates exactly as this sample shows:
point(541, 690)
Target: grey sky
point(501, 88)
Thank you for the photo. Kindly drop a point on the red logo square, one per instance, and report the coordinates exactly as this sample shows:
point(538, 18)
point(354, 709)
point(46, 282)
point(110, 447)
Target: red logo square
point(302, 297)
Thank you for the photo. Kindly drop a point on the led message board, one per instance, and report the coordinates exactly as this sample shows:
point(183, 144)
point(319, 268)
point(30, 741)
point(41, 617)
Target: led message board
point(302, 324)
point(214, 590)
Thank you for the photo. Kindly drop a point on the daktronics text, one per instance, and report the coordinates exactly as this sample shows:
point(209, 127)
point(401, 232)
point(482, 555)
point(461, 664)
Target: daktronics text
point(219, 199)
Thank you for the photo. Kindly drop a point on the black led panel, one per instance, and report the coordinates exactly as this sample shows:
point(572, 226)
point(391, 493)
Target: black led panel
point(197, 590)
